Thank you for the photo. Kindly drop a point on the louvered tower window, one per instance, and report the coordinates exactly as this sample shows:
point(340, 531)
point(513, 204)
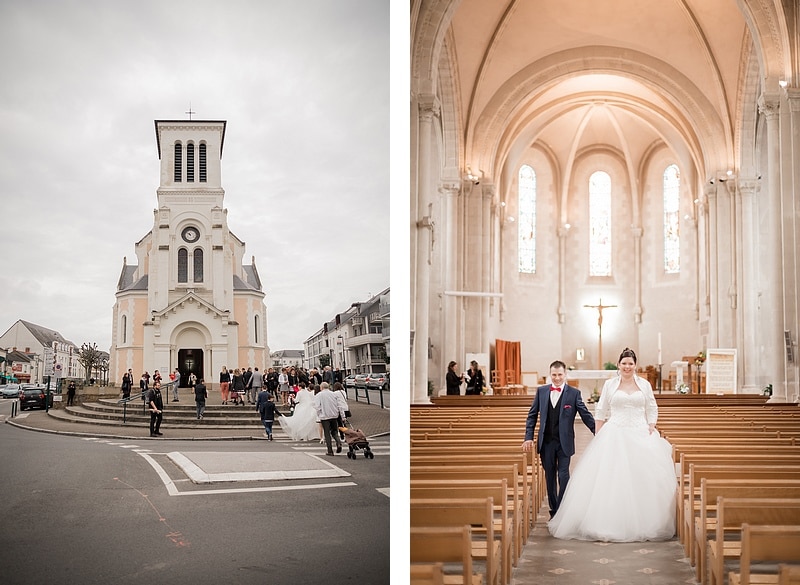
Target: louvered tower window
point(202, 162)
point(190, 162)
point(178, 162)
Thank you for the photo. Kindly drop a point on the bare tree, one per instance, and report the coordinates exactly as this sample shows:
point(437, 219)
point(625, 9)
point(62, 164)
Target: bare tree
point(90, 358)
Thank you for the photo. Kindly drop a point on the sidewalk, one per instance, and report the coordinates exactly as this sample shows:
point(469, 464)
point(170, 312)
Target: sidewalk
point(371, 419)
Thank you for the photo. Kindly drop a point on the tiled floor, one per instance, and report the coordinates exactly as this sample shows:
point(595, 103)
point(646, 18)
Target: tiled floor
point(548, 561)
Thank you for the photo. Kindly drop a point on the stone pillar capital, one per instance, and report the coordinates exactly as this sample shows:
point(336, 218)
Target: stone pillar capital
point(769, 105)
point(429, 107)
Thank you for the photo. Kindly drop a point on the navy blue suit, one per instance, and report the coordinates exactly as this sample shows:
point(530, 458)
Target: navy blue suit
point(555, 441)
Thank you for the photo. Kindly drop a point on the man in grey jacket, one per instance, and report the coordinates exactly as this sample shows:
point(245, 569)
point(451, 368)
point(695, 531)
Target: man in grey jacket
point(329, 408)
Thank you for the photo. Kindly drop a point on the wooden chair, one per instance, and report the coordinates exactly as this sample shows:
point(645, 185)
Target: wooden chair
point(498, 387)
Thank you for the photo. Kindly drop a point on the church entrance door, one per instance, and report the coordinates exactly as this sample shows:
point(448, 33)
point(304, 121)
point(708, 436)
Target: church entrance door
point(190, 361)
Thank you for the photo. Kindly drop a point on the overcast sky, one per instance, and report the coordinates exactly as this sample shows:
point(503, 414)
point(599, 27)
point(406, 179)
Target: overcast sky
point(304, 87)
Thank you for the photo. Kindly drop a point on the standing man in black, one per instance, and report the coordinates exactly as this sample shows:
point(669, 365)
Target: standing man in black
point(155, 404)
point(558, 404)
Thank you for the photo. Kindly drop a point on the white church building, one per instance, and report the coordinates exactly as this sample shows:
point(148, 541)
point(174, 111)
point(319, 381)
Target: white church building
point(189, 302)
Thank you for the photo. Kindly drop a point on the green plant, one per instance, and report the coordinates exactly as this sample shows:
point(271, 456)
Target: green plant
point(609, 366)
point(430, 387)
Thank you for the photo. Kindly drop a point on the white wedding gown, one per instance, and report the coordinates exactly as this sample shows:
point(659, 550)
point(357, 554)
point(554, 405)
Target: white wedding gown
point(302, 425)
point(623, 486)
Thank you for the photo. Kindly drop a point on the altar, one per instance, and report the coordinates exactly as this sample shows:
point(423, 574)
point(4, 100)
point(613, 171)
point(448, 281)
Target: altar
point(591, 374)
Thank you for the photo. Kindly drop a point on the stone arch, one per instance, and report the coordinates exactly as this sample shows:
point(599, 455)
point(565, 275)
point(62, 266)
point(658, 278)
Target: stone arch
point(703, 126)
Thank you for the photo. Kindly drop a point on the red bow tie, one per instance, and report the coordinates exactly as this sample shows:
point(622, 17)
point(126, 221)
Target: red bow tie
point(555, 389)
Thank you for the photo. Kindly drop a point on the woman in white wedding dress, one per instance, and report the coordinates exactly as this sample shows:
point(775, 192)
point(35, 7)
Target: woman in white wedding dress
point(623, 486)
point(302, 425)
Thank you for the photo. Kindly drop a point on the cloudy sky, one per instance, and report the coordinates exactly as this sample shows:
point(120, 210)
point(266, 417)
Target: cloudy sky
point(304, 87)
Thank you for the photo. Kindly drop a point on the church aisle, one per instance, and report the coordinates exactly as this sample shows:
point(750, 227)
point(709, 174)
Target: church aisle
point(549, 561)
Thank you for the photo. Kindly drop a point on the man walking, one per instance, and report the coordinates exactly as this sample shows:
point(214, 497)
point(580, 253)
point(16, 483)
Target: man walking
point(256, 382)
point(329, 409)
point(558, 404)
point(155, 404)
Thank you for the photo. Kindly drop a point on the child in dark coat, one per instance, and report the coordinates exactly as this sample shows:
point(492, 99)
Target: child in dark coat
point(267, 409)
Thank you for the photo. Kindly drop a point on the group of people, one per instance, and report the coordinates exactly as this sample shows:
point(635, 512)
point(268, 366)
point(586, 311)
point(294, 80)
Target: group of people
point(623, 487)
point(473, 377)
point(319, 413)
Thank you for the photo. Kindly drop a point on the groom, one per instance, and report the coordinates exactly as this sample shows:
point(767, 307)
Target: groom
point(558, 404)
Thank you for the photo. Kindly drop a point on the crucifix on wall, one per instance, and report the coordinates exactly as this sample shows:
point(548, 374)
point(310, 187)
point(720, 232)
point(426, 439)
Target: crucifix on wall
point(600, 306)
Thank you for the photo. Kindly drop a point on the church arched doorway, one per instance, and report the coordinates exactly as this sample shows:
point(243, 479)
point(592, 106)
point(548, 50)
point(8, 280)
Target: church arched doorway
point(190, 361)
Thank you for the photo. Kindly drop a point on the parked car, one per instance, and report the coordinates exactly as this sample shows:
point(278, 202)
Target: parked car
point(9, 391)
point(361, 380)
point(378, 381)
point(33, 396)
point(350, 381)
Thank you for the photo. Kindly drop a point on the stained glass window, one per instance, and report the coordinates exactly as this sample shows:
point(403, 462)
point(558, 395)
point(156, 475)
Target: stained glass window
point(198, 265)
point(526, 238)
point(183, 265)
point(672, 236)
point(600, 224)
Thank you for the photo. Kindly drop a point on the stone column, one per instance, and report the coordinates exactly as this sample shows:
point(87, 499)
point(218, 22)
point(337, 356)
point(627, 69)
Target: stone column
point(428, 108)
point(637, 274)
point(450, 237)
point(793, 286)
point(562, 233)
point(748, 358)
point(487, 196)
point(772, 360)
point(713, 269)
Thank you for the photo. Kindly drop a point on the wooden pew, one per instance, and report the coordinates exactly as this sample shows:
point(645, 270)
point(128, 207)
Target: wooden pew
point(449, 544)
point(469, 473)
point(788, 575)
point(731, 514)
point(505, 525)
point(427, 574)
point(519, 458)
point(765, 543)
point(460, 511)
point(767, 484)
point(743, 476)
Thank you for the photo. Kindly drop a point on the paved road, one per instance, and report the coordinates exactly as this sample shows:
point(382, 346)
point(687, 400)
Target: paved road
point(87, 510)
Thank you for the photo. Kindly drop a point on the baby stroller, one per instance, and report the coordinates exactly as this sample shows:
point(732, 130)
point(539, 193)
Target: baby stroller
point(356, 440)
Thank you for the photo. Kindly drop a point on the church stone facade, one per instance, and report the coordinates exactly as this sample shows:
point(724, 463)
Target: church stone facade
point(189, 302)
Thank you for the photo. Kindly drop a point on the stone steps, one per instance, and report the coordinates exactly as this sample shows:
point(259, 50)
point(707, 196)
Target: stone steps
point(109, 412)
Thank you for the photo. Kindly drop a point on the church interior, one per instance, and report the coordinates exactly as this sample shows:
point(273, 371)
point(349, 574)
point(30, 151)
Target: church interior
point(588, 176)
point(637, 156)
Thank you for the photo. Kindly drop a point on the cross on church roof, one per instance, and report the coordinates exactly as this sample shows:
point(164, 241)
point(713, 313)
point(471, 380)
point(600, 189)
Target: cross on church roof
point(190, 112)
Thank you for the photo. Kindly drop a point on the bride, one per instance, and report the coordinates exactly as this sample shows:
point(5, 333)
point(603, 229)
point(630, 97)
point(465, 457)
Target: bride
point(302, 425)
point(623, 486)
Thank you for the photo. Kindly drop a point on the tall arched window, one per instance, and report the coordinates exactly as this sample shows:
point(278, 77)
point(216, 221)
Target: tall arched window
point(255, 328)
point(198, 265)
point(190, 162)
point(124, 327)
point(183, 265)
point(202, 162)
point(178, 162)
point(600, 224)
point(526, 235)
point(672, 235)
